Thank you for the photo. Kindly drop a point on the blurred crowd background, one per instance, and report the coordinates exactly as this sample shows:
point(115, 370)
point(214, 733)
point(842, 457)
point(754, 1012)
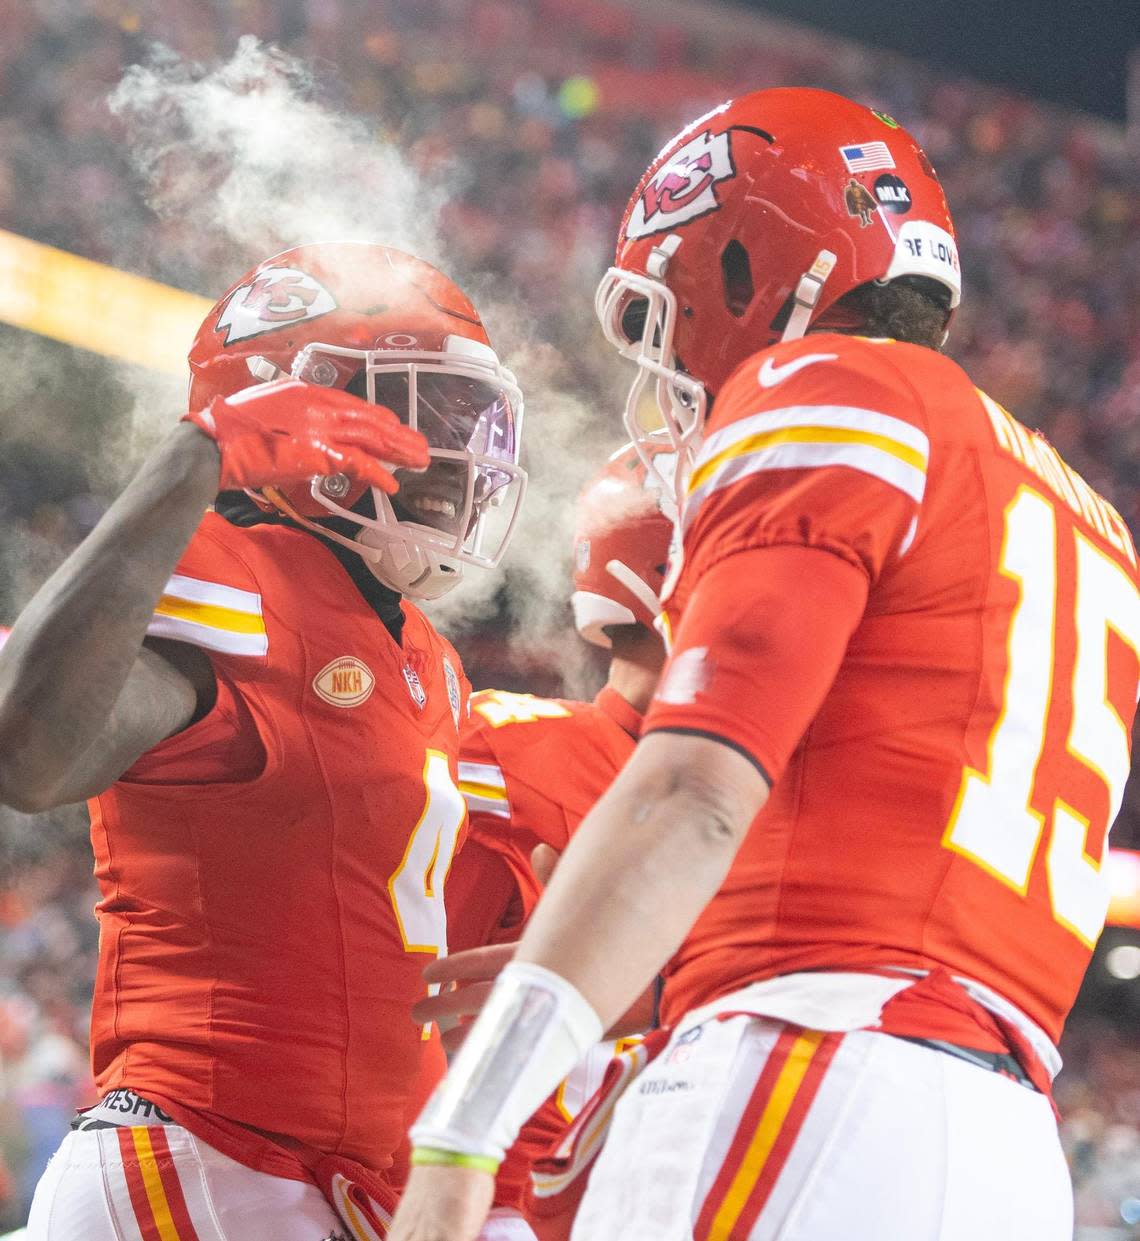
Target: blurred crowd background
point(541, 114)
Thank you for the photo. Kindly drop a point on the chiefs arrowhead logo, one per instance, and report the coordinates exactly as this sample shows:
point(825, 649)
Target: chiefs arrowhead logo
point(346, 682)
point(684, 187)
point(278, 295)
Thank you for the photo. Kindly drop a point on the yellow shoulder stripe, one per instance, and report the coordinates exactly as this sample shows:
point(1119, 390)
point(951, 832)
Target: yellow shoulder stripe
point(469, 788)
point(808, 435)
point(210, 615)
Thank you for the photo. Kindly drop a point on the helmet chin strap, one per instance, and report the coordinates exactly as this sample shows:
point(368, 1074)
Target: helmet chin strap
point(400, 566)
point(807, 295)
point(640, 589)
point(407, 567)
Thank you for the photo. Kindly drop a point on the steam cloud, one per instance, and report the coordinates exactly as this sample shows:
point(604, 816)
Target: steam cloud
point(247, 150)
point(245, 154)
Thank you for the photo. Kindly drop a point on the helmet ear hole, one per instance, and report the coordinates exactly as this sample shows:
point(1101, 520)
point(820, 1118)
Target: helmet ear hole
point(633, 317)
point(780, 321)
point(736, 272)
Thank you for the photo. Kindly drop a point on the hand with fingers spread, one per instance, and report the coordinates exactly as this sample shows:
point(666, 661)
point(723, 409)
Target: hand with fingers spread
point(287, 431)
point(466, 979)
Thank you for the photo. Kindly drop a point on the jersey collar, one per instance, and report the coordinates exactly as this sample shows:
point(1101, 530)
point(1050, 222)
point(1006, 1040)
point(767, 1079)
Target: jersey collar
point(611, 703)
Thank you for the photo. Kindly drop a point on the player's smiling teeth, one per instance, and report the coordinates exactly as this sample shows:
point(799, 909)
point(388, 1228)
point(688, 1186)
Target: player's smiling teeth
point(432, 504)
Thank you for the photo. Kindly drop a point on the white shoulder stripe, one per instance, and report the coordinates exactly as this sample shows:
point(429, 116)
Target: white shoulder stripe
point(196, 590)
point(210, 638)
point(839, 417)
point(482, 773)
point(501, 809)
point(484, 789)
point(873, 461)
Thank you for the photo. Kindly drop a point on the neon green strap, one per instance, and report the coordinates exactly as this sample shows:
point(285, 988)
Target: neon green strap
point(432, 1157)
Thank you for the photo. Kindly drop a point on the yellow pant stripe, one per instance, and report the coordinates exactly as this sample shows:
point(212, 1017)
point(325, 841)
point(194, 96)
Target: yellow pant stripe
point(156, 1195)
point(767, 1130)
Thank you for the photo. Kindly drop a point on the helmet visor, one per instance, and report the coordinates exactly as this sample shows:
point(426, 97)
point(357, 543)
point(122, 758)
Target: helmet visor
point(452, 410)
point(470, 414)
point(469, 426)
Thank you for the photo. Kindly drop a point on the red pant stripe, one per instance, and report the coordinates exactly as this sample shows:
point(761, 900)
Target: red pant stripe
point(175, 1198)
point(750, 1118)
point(132, 1173)
point(789, 1132)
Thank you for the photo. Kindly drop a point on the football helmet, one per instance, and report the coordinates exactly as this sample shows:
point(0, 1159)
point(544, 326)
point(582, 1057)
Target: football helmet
point(393, 330)
point(746, 230)
point(621, 546)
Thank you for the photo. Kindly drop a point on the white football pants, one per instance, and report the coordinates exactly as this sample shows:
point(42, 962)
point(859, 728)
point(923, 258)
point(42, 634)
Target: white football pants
point(752, 1130)
point(93, 1191)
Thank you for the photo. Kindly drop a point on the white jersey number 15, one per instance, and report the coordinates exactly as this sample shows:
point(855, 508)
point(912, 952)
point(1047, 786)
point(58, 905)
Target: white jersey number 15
point(993, 822)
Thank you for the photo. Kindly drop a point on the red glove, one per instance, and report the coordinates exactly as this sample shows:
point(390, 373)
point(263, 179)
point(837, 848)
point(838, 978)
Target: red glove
point(287, 431)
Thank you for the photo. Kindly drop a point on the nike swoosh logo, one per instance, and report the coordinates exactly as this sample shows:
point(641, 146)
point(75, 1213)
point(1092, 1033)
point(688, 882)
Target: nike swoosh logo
point(771, 375)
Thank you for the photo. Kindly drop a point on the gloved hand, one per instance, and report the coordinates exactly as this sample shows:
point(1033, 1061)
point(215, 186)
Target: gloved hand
point(287, 431)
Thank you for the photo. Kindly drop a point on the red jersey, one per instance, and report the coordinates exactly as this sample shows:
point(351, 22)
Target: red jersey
point(530, 768)
point(263, 934)
point(948, 802)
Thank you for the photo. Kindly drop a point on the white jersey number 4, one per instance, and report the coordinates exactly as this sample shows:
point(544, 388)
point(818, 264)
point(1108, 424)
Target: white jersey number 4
point(416, 885)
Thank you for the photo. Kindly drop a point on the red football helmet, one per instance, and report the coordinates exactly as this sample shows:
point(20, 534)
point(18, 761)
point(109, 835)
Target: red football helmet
point(397, 332)
point(621, 544)
point(748, 227)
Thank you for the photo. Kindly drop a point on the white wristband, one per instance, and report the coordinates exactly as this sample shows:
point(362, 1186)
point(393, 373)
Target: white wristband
point(533, 1030)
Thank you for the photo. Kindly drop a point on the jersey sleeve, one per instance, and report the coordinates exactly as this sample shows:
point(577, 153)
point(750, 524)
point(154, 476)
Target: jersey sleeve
point(481, 778)
point(820, 444)
point(212, 601)
point(491, 825)
point(807, 487)
point(759, 646)
point(516, 768)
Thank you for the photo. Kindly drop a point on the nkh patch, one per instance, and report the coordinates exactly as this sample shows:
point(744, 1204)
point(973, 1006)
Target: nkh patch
point(683, 188)
point(344, 682)
point(276, 296)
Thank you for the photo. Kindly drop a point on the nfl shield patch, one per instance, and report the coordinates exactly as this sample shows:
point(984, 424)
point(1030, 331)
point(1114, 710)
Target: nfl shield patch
point(452, 679)
point(415, 688)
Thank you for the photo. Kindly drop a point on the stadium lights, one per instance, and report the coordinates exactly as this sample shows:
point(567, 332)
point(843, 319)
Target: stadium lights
point(96, 307)
point(1123, 962)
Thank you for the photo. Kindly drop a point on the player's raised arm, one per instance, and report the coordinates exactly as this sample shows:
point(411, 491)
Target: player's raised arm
point(80, 696)
point(75, 658)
